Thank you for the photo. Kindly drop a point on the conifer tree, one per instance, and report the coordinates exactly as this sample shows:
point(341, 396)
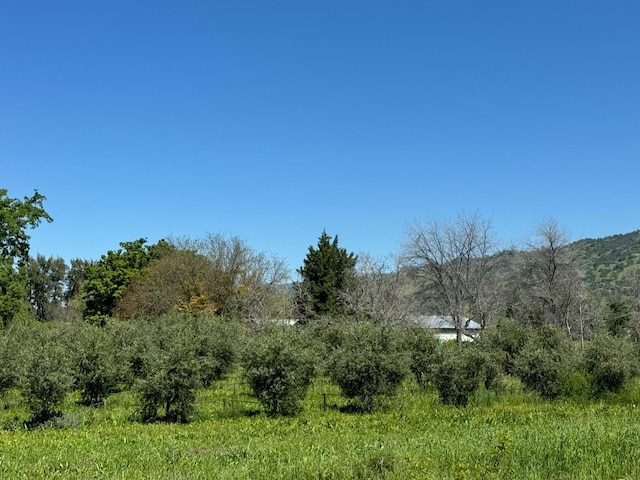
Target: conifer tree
point(326, 272)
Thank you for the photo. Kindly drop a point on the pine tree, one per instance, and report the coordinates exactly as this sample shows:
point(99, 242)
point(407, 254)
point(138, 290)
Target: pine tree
point(326, 272)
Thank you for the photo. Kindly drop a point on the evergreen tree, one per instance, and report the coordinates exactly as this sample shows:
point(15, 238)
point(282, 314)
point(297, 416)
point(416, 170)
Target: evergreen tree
point(326, 272)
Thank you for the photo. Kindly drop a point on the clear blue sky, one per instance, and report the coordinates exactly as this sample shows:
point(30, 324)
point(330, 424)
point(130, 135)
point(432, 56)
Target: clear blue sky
point(275, 120)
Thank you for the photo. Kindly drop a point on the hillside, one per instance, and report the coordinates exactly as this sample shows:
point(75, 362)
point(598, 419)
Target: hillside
point(606, 259)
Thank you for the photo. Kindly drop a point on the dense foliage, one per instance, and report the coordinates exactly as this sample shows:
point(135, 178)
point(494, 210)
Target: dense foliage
point(16, 217)
point(177, 358)
point(279, 366)
point(461, 372)
point(369, 363)
point(107, 279)
point(326, 273)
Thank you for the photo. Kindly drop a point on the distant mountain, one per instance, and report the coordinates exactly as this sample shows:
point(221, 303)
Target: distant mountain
point(606, 259)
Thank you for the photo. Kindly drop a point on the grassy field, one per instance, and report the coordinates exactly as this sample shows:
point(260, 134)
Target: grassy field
point(414, 437)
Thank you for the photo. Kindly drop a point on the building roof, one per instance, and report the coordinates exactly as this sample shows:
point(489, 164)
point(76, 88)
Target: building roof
point(442, 322)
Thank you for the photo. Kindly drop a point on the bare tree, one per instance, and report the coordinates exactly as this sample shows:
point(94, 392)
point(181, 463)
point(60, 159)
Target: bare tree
point(453, 260)
point(551, 282)
point(381, 292)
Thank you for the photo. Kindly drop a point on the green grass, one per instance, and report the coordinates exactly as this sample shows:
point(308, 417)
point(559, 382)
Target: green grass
point(414, 437)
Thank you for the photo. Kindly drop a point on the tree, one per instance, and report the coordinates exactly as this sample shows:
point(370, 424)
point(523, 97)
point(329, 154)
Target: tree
point(611, 361)
point(546, 361)
point(370, 362)
point(326, 273)
point(380, 291)
point(107, 279)
point(216, 275)
point(181, 281)
point(47, 376)
point(96, 369)
point(453, 261)
point(631, 304)
point(46, 286)
point(551, 289)
point(249, 279)
point(278, 367)
point(172, 357)
point(171, 376)
point(73, 299)
point(425, 353)
point(16, 217)
point(461, 372)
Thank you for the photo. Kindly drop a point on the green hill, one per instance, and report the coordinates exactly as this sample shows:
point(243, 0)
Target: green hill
point(605, 260)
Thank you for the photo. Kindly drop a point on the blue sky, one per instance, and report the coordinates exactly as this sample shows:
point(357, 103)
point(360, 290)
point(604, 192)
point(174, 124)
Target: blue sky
point(275, 120)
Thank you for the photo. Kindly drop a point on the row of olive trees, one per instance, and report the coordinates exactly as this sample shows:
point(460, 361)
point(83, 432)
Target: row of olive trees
point(370, 361)
point(165, 361)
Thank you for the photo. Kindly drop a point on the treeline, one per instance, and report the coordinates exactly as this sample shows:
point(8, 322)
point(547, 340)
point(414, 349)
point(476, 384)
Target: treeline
point(169, 318)
point(453, 268)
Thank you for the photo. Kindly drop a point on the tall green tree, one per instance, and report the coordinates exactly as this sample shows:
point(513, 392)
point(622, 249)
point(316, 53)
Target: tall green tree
point(46, 286)
point(16, 218)
point(326, 273)
point(106, 280)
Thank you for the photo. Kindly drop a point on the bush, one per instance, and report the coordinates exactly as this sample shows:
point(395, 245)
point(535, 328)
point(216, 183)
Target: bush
point(170, 372)
point(278, 367)
point(8, 377)
point(424, 350)
point(96, 370)
point(546, 361)
point(611, 362)
point(47, 377)
point(369, 363)
point(504, 341)
point(216, 345)
point(462, 371)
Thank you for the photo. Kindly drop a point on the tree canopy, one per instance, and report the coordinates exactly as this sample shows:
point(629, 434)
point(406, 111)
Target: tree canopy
point(16, 218)
point(107, 279)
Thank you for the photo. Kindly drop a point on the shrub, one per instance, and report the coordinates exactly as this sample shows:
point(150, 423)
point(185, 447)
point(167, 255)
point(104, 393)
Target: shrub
point(216, 344)
point(96, 370)
point(47, 377)
point(8, 376)
point(170, 373)
point(278, 367)
point(611, 362)
point(369, 363)
point(546, 361)
point(424, 351)
point(504, 341)
point(173, 357)
point(462, 371)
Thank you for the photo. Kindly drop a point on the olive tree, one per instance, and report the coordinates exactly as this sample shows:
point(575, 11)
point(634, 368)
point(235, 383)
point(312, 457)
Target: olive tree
point(370, 362)
point(278, 367)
